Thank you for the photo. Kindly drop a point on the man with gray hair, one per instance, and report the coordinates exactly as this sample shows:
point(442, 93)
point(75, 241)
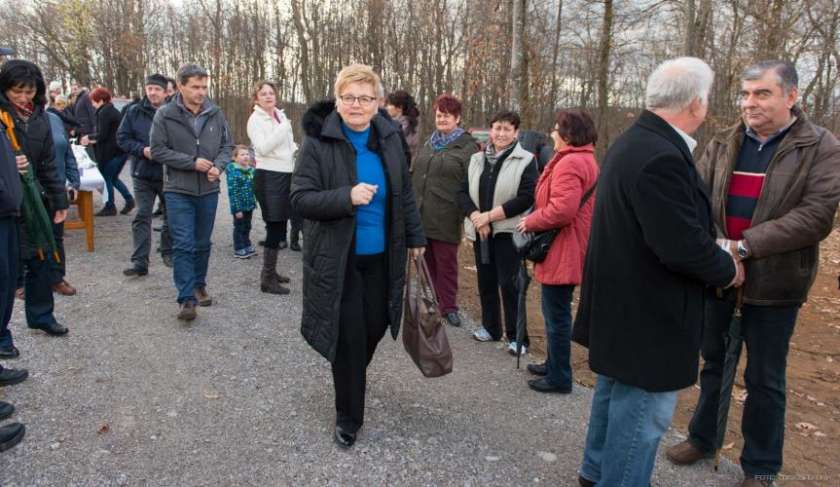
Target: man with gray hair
point(651, 261)
point(774, 181)
point(190, 137)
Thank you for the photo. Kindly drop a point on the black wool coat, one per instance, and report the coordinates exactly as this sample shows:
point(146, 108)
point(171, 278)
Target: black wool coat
point(107, 123)
point(651, 263)
point(324, 175)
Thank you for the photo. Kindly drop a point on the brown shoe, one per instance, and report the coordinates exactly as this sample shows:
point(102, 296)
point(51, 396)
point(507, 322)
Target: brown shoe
point(754, 482)
point(187, 311)
point(685, 453)
point(203, 296)
point(64, 288)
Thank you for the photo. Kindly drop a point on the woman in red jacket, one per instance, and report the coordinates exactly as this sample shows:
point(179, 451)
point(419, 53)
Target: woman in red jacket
point(563, 201)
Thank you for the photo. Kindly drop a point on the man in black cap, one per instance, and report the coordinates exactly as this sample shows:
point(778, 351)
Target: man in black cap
point(147, 174)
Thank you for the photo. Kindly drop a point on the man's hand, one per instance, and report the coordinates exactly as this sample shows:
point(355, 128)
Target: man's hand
point(203, 165)
point(740, 274)
point(60, 216)
point(213, 174)
point(22, 163)
point(362, 193)
point(417, 252)
point(239, 215)
point(147, 152)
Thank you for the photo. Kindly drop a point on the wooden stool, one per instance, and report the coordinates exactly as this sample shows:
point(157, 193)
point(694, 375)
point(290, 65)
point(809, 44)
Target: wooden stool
point(84, 202)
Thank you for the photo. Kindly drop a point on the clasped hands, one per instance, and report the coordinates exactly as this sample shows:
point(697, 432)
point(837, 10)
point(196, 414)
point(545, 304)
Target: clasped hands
point(206, 166)
point(731, 248)
point(481, 222)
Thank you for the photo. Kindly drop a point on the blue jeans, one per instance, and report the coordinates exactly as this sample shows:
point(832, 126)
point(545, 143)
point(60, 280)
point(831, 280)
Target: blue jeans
point(191, 220)
point(9, 261)
point(557, 312)
point(625, 427)
point(766, 331)
point(111, 173)
point(242, 230)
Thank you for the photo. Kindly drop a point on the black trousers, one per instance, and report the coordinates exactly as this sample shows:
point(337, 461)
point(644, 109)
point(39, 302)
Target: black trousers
point(498, 275)
point(60, 268)
point(362, 324)
point(275, 232)
point(9, 269)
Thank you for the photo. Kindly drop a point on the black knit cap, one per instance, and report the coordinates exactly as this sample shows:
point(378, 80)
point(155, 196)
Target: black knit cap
point(156, 79)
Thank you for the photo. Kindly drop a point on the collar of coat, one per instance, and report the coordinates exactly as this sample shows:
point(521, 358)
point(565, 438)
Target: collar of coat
point(322, 121)
point(801, 133)
point(262, 114)
point(653, 122)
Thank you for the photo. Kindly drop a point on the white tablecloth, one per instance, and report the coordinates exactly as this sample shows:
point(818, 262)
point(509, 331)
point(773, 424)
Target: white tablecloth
point(89, 174)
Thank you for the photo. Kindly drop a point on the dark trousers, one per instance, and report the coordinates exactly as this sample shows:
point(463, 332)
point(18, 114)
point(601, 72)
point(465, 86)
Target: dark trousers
point(442, 261)
point(145, 192)
point(242, 230)
point(9, 263)
point(297, 227)
point(557, 311)
point(60, 268)
point(766, 331)
point(111, 174)
point(275, 232)
point(362, 324)
point(498, 275)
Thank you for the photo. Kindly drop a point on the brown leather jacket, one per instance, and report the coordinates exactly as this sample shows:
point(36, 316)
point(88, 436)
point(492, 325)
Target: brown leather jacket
point(794, 212)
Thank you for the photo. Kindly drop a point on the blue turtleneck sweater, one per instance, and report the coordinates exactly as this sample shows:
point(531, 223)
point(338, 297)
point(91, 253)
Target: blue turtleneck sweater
point(370, 218)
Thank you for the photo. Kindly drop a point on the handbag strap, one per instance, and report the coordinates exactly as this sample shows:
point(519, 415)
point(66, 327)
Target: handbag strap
point(426, 279)
point(587, 194)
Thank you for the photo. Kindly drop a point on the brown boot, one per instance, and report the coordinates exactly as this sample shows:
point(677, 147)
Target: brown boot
point(685, 453)
point(202, 296)
point(269, 281)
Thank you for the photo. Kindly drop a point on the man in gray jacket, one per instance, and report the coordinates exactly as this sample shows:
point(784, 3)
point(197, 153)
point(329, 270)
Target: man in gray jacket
point(190, 137)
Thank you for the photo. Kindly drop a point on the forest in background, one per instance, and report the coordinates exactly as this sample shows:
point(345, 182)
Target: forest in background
point(532, 55)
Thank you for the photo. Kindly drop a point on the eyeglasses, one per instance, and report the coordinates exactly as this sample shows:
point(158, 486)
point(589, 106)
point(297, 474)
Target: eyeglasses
point(363, 100)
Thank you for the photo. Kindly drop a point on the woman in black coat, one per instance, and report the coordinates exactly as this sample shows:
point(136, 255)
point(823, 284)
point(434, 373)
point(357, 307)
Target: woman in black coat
point(352, 185)
point(109, 157)
point(23, 96)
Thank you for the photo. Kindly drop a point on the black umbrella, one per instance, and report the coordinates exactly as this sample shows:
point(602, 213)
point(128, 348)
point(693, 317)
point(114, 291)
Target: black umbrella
point(522, 282)
point(733, 342)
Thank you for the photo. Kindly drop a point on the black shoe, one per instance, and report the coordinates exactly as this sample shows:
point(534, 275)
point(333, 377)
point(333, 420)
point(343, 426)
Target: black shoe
point(129, 205)
point(158, 212)
point(344, 438)
point(10, 435)
point(283, 244)
point(107, 211)
point(6, 410)
point(453, 318)
point(9, 352)
point(157, 229)
point(538, 369)
point(167, 260)
point(542, 385)
point(585, 482)
point(261, 243)
point(134, 272)
point(54, 329)
point(295, 246)
point(10, 377)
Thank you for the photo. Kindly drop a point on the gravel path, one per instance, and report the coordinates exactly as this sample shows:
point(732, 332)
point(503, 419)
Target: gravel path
point(133, 397)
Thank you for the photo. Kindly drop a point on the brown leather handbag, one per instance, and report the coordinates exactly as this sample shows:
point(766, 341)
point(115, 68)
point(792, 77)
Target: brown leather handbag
point(424, 335)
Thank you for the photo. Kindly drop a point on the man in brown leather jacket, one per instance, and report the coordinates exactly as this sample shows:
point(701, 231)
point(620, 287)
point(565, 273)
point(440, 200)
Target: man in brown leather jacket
point(774, 182)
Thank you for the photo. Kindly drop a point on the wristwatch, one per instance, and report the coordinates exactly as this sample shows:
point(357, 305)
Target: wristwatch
point(743, 251)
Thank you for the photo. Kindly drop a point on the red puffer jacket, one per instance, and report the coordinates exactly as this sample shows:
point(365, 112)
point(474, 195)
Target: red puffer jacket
point(560, 188)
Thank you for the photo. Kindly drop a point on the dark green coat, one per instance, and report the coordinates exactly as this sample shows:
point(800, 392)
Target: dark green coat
point(437, 176)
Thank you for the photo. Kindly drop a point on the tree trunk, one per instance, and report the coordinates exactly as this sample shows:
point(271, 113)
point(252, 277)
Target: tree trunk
point(517, 65)
point(604, 73)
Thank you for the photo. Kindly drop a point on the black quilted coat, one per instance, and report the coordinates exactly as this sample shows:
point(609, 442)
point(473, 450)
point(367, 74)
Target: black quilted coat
point(324, 175)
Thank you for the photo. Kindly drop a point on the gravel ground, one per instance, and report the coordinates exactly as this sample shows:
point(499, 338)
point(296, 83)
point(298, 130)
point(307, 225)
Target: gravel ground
point(133, 397)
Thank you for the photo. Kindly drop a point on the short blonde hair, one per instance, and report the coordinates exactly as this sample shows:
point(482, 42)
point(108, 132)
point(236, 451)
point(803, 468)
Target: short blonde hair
point(240, 148)
point(356, 73)
point(60, 102)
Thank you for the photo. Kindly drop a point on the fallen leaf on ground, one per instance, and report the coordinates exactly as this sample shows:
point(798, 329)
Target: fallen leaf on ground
point(104, 429)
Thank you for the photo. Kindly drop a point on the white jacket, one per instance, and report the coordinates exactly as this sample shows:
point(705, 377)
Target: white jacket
point(273, 141)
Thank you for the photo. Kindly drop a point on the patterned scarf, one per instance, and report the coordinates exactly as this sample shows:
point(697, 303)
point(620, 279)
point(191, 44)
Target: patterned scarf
point(439, 141)
point(492, 155)
point(24, 111)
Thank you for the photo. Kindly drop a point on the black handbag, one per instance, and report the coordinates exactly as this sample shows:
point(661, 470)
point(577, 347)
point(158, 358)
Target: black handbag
point(534, 246)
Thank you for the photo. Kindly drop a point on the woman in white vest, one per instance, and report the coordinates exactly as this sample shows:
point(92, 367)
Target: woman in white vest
point(274, 147)
point(498, 190)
